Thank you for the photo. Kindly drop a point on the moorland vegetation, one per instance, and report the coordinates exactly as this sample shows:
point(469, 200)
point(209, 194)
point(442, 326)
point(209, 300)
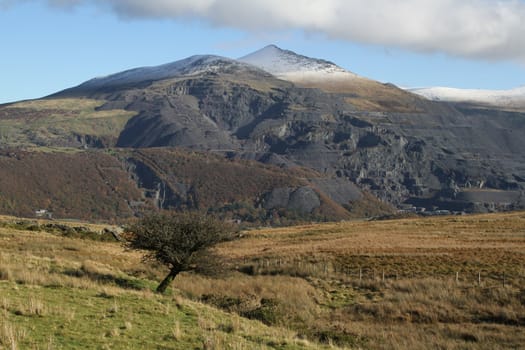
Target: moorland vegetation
point(454, 282)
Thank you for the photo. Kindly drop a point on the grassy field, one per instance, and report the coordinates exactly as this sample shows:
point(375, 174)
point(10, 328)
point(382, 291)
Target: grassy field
point(54, 122)
point(63, 293)
point(444, 283)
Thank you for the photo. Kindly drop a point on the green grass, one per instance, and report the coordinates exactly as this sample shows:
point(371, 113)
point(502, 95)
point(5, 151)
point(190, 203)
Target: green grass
point(69, 292)
point(69, 318)
point(53, 122)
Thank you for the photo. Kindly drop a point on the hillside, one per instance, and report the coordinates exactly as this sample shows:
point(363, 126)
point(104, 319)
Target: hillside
point(364, 147)
point(449, 282)
point(117, 184)
point(61, 123)
point(70, 184)
point(63, 293)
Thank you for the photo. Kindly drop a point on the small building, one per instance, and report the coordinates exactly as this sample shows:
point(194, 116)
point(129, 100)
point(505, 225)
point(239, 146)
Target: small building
point(43, 213)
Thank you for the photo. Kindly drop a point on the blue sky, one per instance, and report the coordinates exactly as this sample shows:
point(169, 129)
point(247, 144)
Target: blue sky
point(47, 46)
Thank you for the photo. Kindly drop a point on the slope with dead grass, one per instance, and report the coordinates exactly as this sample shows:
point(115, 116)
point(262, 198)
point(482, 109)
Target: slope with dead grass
point(450, 282)
point(444, 282)
point(63, 293)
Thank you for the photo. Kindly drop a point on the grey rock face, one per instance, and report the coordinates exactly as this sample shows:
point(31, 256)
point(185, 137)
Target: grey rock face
point(302, 200)
point(430, 158)
point(339, 190)
point(278, 198)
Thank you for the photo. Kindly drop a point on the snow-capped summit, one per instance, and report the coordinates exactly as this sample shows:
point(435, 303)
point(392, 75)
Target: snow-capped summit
point(189, 66)
point(269, 60)
point(291, 66)
point(505, 98)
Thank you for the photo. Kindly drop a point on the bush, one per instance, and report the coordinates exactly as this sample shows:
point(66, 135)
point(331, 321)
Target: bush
point(178, 241)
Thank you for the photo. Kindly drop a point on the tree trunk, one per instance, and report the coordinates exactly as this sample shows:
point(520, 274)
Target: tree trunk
point(167, 281)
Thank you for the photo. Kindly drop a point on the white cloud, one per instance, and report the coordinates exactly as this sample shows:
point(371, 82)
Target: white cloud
point(487, 29)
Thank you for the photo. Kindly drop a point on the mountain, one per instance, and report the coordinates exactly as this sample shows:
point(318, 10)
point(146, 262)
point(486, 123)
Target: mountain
point(288, 65)
point(514, 98)
point(364, 93)
point(193, 65)
point(249, 139)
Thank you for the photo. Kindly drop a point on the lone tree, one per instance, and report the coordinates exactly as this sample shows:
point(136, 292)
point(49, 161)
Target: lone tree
point(177, 241)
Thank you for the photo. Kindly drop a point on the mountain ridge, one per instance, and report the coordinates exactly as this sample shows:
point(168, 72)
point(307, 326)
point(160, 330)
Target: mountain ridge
point(284, 64)
point(303, 70)
point(505, 98)
point(356, 137)
point(193, 65)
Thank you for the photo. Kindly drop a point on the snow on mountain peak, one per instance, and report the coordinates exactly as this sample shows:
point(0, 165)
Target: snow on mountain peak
point(269, 60)
point(511, 98)
point(287, 64)
point(189, 66)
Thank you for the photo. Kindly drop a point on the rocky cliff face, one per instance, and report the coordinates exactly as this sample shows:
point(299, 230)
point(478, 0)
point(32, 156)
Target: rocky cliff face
point(424, 158)
point(415, 152)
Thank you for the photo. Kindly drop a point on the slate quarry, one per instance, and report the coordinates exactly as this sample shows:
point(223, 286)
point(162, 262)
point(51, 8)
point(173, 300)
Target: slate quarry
point(412, 153)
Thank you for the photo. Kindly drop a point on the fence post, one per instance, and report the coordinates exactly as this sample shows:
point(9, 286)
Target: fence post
point(479, 278)
point(383, 278)
point(457, 277)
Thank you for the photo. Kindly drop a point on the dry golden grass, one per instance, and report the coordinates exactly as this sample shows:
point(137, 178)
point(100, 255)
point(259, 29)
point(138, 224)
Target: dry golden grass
point(10, 335)
point(289, 300)
point(404, 283)
point(304, 278)
point(418, 247)
point(39, 269)
point(72, 223)
point(40, 258)
point(63, 103)
point(368, 95)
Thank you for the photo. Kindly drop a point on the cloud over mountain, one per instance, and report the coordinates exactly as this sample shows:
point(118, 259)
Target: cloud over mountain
point(486, 29)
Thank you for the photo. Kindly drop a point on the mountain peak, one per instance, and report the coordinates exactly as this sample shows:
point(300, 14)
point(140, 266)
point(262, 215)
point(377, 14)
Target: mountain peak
point(272, 47)
point(271, 59)
point(289, 65)
point(193, 65)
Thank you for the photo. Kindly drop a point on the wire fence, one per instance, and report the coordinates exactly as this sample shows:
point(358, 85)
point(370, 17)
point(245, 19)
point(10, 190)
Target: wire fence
point(484, 276)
